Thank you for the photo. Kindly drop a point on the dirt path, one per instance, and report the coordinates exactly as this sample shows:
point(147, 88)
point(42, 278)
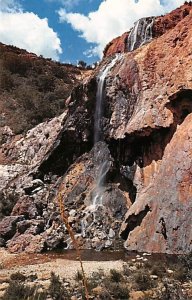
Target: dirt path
point(42, 265)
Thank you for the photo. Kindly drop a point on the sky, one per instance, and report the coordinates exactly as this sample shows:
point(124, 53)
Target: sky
point(72, 30)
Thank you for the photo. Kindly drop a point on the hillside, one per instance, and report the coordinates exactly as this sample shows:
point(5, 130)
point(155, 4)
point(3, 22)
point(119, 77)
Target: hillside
point(32, 89)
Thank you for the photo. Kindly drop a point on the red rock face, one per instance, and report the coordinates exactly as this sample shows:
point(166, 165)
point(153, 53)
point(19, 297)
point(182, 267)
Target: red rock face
point(151, 104)
point(161, 25)
point(117, 45)
point(166, 201)
point(169, 21)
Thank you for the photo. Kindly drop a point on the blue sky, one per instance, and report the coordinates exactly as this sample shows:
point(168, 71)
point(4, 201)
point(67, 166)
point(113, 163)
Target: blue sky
point(73, 46)
point(72, 30)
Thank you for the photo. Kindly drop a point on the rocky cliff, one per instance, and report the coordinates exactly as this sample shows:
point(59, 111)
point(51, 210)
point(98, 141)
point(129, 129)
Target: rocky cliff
point(145, 155)
point(161, 25)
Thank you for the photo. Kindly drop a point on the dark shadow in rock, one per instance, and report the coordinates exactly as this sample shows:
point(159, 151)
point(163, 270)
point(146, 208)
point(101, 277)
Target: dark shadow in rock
point(125, 184)
point(134, 221)
point(68, 150)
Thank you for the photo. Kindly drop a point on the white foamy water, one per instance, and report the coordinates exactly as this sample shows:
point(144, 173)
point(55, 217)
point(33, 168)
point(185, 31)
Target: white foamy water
point(141, 33)
point(98, 132)
point(104, 165)
point(99, 109)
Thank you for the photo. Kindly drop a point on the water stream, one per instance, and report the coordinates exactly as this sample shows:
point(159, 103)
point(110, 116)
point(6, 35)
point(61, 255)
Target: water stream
point(101, 153)
point(98, 132)
point(141, 33)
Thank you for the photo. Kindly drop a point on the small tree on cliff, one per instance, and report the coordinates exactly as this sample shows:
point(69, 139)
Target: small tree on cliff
point(81, 64)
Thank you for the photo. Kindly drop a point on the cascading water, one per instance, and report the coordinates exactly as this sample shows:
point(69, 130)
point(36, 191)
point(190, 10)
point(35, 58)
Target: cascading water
point(101, 156)
point(141, 33)
point(98, 133)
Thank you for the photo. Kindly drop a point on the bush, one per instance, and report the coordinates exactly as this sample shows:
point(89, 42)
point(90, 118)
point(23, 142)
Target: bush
point(143, 281)
point(6, 81)
point(158, 270)
point(180, 273)
point(78, 276)
point(172, 291)
point(18, 277)
point(17, 291)
point(186, 265)
point(46, 83)
point(115, 275)
point(119, 291)
point(56, 289)
point(15, 63)
point(126, 270)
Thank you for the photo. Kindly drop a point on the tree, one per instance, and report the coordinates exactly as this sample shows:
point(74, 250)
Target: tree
point(81, 64)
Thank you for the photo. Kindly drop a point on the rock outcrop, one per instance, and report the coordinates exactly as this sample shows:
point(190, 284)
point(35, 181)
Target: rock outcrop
point(160, 26)
point(146, 121)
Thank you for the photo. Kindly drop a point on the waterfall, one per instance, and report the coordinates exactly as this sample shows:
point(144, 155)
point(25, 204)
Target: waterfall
point(98, 134)
point(141, 33)
point(101, 153)
point(104, 166)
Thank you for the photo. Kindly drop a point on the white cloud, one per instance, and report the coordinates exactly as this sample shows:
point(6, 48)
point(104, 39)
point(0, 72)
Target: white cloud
point(68, 4)
point(26, 30)
point(113, 18)
point(9, 6)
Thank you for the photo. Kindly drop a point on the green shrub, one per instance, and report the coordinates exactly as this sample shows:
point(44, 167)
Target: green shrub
point(17, 290)
point(172, 291)
point(180, 273)
point(126, 270)
point(186, 265)
point(6, 80)
point(15, 63)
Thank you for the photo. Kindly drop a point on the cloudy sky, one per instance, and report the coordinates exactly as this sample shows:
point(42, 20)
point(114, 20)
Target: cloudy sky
point(72, 30)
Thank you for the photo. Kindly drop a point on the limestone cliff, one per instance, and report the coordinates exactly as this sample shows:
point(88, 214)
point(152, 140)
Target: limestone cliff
point(146, 122)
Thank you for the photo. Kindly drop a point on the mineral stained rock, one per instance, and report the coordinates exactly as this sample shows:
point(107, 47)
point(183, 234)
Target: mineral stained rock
point(147, 194)
point(161, 25)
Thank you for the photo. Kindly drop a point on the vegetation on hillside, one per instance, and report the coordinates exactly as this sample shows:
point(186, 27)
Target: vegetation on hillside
point(32, 89)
